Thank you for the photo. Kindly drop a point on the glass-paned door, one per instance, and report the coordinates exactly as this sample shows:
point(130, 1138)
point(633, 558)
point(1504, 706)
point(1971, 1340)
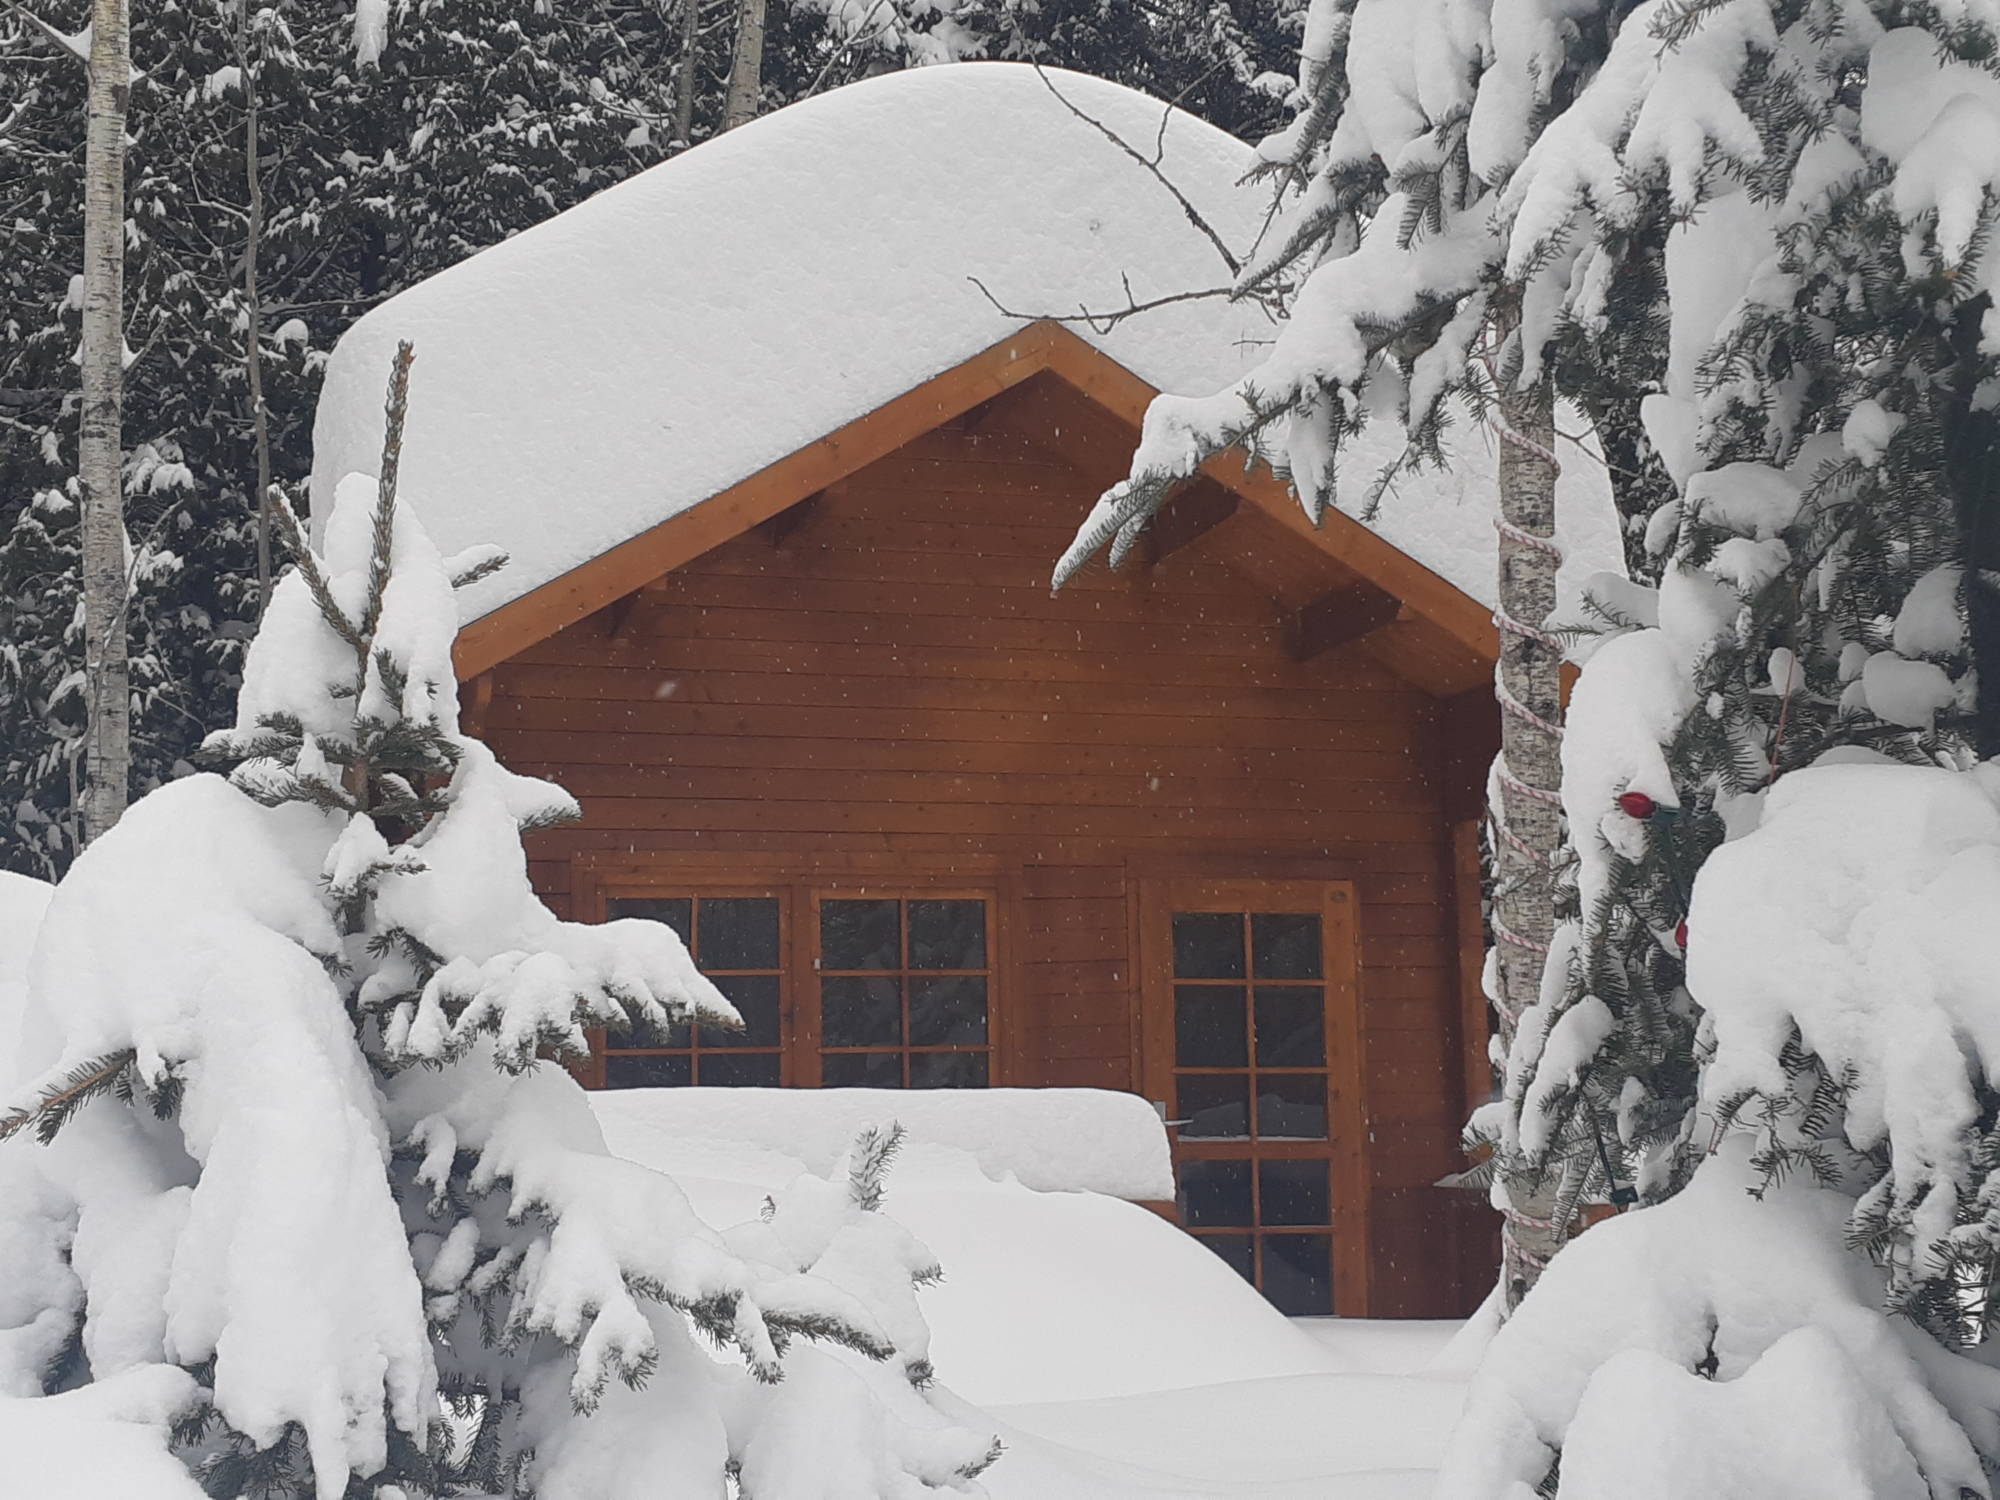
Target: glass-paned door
point(905, 986)
point(737, 941)
point(1250, 1046)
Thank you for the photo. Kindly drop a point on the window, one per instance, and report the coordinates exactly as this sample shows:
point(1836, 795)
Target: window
point(1249, 1036)
point(904, 985)
point(1249, 1021)
point(738, 942)
point(837, 986)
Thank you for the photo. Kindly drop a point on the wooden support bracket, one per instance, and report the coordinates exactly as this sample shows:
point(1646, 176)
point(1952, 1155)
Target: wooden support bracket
point(475, 701)
point(1189, 515)
point(1336, 618)
point(786, 523)
point(623, 615)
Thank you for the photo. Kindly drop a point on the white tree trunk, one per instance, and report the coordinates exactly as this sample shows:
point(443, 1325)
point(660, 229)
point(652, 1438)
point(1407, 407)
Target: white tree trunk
point(1527, 817)
point(746, 69)
point(253, 332)
point(101, 440)
point(684, 79)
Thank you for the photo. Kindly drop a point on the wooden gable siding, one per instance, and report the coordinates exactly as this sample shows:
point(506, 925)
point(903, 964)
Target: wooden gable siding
point(888, 673)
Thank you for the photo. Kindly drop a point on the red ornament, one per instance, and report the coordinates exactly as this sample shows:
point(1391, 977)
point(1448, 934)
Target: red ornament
point(1637, 805)
point(1681, 935)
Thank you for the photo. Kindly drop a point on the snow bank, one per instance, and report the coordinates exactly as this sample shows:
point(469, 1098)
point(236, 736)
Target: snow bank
point(1055, 1140)
point(647, 349)
point(108, 1441)
point(1134, 1304)
point(105, 1442)
point(22, 902)
point(1744, 1319)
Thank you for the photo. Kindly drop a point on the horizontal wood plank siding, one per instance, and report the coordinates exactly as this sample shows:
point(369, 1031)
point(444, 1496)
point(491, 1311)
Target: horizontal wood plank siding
point(892, 676)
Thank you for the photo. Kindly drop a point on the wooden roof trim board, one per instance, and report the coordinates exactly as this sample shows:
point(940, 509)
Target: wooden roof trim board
point(1040, 346)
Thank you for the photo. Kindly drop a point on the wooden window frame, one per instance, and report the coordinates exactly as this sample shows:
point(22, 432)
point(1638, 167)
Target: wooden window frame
point(1336, 903)
point(903, 894)
point(799, 882)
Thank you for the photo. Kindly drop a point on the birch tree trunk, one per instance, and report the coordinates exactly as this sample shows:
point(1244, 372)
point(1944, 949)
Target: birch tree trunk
point(746, 69)
point(1526, 809)
point(253, 306)
point(107, 781)
point(684, 80)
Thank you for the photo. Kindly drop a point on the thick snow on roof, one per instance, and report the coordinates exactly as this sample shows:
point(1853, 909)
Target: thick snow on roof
point(623, 362)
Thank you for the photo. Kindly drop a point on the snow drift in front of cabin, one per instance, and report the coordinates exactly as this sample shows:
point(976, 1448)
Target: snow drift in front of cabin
point(602, 372)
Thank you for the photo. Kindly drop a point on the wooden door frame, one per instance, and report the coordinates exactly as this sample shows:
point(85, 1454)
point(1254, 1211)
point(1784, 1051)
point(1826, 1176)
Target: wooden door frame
point(1337, 903)
point(798, 881)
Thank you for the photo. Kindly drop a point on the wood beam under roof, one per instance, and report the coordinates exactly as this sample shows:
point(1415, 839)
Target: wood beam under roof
point(1191, 513)
point(1338, 617)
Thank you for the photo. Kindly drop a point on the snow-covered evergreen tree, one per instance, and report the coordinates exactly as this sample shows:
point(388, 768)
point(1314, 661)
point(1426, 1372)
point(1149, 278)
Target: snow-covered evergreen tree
point(1775, 770)
point(294, 1036)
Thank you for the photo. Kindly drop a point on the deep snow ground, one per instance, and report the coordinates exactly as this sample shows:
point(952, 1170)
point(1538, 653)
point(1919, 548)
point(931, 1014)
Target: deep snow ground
point(1362, 1433)
point(1118, 1359)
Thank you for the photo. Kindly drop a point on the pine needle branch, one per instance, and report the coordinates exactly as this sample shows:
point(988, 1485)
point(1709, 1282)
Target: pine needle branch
point(53, 1107)
point(1152, 165)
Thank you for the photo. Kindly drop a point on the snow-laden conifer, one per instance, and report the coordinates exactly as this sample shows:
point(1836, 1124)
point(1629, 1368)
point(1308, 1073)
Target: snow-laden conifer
point(289, 1042)
point(1386, 253)
point(1774, 768)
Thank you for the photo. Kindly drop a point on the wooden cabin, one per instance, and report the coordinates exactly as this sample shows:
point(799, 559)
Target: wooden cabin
point(1203, 828)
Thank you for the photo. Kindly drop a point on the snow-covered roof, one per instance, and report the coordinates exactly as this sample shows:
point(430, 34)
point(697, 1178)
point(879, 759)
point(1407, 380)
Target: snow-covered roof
point(638, 354)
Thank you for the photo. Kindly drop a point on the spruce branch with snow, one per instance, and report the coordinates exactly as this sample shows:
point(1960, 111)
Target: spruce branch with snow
point(292, 1040)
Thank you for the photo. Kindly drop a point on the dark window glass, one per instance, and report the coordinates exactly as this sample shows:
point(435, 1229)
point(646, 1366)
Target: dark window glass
point(1215, 1106)
point(1292, 1192)
point(948, 1012)
point(1291, 1026)
point(1215, 1193)
point(738, 933)
point(1285, 946)
point(947, 934)
point(860, 935)
point(1298, 1274)
point(755, 997)
point(677, 913)
point(862, 1070)
point(1237, 1249)
point(646, 1070)
point(859, 1011)
point(1208, 945)
point(1292, 1105)
point(1208, 1026)
point(740, 1069)
point(947, 1070)
point(675, 1035)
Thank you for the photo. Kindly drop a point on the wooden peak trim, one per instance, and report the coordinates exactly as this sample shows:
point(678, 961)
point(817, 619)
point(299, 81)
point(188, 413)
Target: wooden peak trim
point(1336, 618)
point(638, 561)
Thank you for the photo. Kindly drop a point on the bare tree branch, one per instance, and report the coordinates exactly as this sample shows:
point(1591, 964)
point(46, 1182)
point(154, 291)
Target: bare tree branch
point(1103, 322)
point(1152, 165)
